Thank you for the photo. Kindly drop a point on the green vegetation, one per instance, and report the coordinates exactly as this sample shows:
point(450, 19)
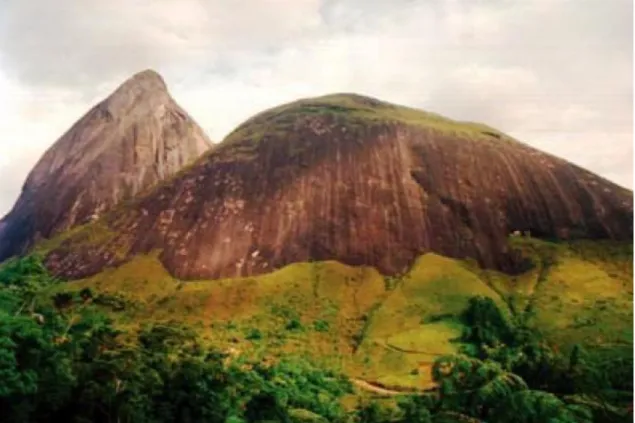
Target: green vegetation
point(65, 361)
point(356, 109)
point(89, 234)
point(511, 375)
point(388, 333)
point(357, 113)
point(444, 342)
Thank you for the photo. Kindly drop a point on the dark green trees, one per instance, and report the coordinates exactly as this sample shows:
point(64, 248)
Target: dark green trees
point(61, 359)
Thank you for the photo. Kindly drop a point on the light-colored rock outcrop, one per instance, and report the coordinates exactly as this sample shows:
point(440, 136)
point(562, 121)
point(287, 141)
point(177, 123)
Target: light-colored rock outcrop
point(133, 139)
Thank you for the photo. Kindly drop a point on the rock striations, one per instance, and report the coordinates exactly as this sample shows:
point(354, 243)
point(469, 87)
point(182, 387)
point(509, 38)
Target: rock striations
point(128, 142)
point(353, 179)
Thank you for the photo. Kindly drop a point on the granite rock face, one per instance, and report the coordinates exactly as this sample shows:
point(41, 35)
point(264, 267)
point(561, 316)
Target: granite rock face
point(353, 179)
point(133, 139)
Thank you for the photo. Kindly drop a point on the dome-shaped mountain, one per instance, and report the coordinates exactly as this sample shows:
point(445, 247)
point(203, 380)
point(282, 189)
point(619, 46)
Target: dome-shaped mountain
point(353, 179)
point(128, 142)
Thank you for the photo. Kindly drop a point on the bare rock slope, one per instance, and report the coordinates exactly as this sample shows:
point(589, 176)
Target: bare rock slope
point(135, 138)
point(353, 179)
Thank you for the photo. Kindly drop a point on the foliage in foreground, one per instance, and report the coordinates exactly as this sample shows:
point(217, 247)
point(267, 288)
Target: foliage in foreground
point(66, 362)
point(63, 360)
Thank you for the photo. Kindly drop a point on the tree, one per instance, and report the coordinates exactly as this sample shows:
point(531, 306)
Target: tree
point(416, 409)
point(370, 413)
point(471, 386)
point(537, 407)
point(484, 323)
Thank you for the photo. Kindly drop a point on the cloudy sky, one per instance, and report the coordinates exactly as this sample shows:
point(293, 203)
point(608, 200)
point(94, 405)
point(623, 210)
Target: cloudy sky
point(556, 74)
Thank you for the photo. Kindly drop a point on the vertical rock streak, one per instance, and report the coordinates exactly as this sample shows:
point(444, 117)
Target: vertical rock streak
point(319, 180)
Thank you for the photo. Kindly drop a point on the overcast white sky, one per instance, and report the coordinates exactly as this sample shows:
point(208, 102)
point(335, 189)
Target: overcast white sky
point(556, 74)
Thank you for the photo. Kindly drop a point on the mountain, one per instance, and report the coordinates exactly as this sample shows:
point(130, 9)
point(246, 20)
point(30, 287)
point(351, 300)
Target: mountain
point(367, 238)
point(130, 141)
point(353, 179)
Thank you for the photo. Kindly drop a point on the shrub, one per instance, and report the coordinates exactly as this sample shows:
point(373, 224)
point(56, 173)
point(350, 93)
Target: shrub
point(294, 325)
point(254, 334)
point(321, 326)
point(63, 300)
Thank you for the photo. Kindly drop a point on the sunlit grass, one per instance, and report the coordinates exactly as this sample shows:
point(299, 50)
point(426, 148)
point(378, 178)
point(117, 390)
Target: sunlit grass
point(387, 330)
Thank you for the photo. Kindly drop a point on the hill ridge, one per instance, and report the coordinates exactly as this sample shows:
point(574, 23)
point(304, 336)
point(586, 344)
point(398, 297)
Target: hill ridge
point(366, 185)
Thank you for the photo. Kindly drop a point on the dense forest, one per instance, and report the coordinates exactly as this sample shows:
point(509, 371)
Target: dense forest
point(63, 359)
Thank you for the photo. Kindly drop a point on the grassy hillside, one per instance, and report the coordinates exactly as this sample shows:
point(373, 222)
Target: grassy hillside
point(384, 330)
point(359, 111)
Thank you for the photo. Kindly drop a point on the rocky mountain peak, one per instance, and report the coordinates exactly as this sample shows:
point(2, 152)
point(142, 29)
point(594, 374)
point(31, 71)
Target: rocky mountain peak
point(357, 180)
point(143, 93)
point(128, 142)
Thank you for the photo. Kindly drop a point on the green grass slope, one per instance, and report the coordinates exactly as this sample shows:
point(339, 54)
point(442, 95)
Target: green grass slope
point(385, 330)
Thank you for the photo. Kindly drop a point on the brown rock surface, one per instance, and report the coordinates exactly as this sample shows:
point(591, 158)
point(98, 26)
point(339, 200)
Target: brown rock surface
point(128, 142)
point(357, 180)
